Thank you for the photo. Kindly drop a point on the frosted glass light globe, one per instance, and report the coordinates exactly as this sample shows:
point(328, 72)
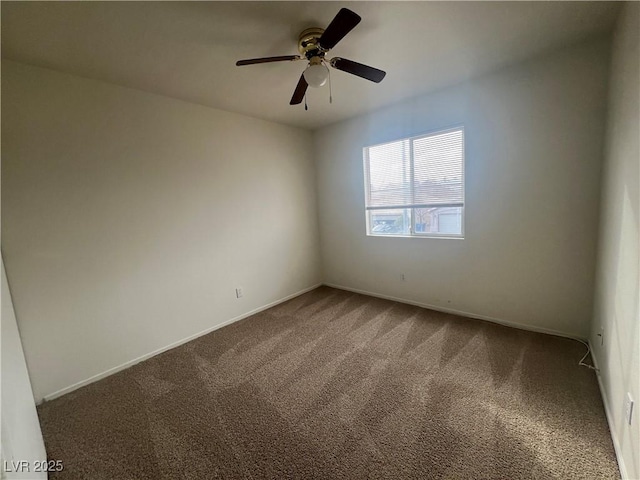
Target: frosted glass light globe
point(316, 75)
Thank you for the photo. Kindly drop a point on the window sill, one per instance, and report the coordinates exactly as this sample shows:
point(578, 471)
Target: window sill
point(439, 237)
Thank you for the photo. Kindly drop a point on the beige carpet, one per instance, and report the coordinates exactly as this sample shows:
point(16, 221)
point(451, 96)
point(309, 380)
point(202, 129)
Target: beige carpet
point(337, 385)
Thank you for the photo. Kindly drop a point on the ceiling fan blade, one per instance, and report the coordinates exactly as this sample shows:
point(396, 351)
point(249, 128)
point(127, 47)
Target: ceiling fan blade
point(299, 92)
point(342, 24)
point(355, 68)
point(253, 61)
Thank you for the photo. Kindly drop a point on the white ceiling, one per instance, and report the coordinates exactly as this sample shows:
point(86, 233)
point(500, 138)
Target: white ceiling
point(188, 50)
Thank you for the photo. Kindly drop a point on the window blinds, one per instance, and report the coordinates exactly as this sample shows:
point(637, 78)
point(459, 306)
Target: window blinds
point(425, 171)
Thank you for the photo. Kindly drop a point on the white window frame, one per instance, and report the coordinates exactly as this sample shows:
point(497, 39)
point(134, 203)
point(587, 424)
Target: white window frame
point(412, 233)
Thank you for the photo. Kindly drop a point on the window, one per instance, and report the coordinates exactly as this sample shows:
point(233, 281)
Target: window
point(415, 186)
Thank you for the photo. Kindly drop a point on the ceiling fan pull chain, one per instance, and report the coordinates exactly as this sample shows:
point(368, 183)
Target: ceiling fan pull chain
point(330, 95)
point(305, 102)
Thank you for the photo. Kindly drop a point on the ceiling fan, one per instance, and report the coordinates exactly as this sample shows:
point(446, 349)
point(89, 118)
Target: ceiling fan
point(313, 44)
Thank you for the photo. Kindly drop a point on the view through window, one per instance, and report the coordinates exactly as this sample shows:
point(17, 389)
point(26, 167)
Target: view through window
point(415, 186)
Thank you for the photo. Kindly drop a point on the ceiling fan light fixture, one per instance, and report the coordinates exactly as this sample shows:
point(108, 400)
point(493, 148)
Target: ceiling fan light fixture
point(316, 75)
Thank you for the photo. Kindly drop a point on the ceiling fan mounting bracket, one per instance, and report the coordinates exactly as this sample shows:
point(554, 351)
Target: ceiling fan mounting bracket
point(308, 42)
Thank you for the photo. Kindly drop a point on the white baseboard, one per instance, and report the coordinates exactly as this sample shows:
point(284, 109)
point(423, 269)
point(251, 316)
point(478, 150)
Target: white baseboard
point(609, 415)
point(507, 323)
point(146, 356)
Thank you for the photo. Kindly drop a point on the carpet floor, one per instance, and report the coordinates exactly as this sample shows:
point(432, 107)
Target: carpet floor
point(333, 384)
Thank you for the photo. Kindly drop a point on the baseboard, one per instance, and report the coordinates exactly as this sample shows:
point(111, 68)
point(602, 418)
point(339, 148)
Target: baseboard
point(507, 323)
point(146, 356)
point(609, 415)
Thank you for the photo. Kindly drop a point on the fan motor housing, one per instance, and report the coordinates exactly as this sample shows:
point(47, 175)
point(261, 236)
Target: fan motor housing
point(308, 42)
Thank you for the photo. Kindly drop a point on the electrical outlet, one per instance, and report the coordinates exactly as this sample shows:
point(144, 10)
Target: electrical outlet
point(239, 292)
point(628, 408)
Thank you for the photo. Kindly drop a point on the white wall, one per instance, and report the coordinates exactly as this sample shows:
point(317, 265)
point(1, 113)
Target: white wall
point(21, 438)
point(128, 219)
point(618, 285)
point(534, 141)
